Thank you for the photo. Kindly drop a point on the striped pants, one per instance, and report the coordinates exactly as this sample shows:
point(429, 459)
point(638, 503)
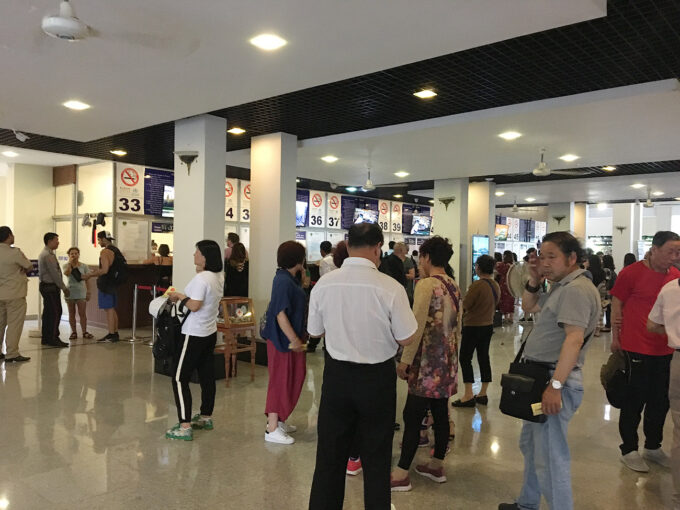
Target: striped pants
point(196, 353)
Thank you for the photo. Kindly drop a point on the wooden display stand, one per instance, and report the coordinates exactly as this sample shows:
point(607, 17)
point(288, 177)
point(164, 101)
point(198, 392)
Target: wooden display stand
point(237, 323)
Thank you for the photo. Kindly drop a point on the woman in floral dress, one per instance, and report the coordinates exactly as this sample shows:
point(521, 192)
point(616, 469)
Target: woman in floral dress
point(430, 364)
point(507, 302)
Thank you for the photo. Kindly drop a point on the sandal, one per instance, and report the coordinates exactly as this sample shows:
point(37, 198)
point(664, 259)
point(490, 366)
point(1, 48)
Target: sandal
point(88, 335)
point(73, 336)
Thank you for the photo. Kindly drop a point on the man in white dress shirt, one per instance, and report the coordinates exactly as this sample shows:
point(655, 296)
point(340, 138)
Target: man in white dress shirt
point(365, 316)
point(326, 264)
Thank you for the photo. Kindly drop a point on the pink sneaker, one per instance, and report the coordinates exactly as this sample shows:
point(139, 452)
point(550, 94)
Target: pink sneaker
point(353, 467)
point(436, 475)
point(400, 485)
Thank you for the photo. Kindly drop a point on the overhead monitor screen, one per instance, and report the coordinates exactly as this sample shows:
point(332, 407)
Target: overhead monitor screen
point(301, 213)
point(168, 210)
point(365, 216)
point(421, 225)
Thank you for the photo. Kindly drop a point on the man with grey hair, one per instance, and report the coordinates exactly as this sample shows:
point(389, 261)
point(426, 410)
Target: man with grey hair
point(13, 287)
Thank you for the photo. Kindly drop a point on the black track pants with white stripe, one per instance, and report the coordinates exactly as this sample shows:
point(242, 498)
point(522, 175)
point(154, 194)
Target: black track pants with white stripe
point(196, 353)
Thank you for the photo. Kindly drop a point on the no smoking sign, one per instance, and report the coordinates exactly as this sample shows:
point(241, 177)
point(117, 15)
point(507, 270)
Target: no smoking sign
point(228, 189)
point(129, 176)
point(246, 191)
point(383, 208)
point(316, 200)
point(334, 202)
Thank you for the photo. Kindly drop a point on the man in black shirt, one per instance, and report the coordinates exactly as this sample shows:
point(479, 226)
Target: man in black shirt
point(393, 264)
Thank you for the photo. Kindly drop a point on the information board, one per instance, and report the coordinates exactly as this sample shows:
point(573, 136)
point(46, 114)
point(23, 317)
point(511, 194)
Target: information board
point(245, 201)
point(314, 240)
point(155, 183)
point(333, 210)
point(317, 209)
point(335, 237)
point(301, 237)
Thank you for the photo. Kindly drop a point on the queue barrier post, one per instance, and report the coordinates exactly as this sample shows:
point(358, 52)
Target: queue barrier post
point(134, 338)
point(153, 321)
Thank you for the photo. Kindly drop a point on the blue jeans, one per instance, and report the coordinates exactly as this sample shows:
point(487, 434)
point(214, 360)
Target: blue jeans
point(547, 468)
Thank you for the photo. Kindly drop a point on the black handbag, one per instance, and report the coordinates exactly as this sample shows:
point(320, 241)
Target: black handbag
point(522, 387)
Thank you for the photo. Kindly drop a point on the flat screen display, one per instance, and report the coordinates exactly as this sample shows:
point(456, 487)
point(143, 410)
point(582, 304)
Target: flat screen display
point(168, 210)
point(480, 246)
point(421, 225)
point(365, 216)
point(301, 213)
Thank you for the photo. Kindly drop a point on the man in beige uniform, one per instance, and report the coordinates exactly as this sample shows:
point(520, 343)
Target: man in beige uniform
point(13, 288)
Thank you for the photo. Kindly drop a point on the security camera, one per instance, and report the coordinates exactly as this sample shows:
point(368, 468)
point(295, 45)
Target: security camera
point(187, 157)
point(333, 185)
point(22, 137)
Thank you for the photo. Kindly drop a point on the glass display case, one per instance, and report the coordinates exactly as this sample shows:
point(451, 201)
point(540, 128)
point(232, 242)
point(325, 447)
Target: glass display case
point(236, 312)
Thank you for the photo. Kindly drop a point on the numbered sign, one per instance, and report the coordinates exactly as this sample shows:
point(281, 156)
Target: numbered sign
point(395, 219)
point(245, 202)
point(130, 189)
point(333, 211)
point(317, 209)
point(231, 200)
point(384, 215)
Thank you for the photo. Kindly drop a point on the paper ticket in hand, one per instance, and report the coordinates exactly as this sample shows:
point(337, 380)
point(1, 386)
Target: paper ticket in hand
point(537, 408)
point(170, 289)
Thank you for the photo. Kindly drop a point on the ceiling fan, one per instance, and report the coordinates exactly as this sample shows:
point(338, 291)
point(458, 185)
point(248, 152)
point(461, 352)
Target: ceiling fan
point(648, 203)
point(369, 186)
point(66, 25)
point(543, 170)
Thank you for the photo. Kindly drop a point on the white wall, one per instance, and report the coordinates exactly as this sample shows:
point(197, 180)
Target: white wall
point(32, 204)
point(95, 186)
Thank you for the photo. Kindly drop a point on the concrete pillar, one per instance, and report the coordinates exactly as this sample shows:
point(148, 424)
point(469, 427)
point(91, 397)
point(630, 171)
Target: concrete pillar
point(273, 170)
point(622, 232)
point(580, 219)
point(452, 222)
point(481, 213)
point(561, 217)
point(199, 195)
point(664, 217)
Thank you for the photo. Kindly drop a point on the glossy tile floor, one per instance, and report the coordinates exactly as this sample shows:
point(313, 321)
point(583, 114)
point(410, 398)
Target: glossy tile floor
point(84, 428)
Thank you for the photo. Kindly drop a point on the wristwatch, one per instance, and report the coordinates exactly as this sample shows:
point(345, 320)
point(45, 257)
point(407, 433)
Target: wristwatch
point(531, 289)
point(556, 384)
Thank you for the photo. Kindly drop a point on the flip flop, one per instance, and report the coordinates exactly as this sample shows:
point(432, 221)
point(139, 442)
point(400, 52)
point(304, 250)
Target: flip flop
point(88, 335)
point(73, 336)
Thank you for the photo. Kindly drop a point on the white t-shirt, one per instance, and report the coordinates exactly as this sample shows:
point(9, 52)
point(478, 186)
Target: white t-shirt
point(206, 286)
point(362, 312)
point(666, 311)
point(326, 265)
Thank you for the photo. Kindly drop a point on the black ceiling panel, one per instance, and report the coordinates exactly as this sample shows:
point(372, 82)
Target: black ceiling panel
point(637, 42)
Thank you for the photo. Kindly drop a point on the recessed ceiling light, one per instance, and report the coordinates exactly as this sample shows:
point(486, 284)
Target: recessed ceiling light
point(351, 189)
point(10, 154)
point(425, 94)
point(602, 206)
point(530, 199)
point(268, 42)
point(510, 135)
point(401, 173)
point(677, 198)
point(499, 193)
point(297, 180)
point(118, 152)
point(637, 185)
point(397, 196)
point(657, 193)
point(569, 157)
point(431, 201)
point(236, 131)
point(329, 159)
point(74, 104)
point(608, 168)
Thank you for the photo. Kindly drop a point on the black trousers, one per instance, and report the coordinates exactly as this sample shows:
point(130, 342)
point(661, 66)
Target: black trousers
point(608, 316)
point(414, 410)
point(475, 338)
point(196, 353)
point(648, 391)
point(51, 315)
point(357, 401)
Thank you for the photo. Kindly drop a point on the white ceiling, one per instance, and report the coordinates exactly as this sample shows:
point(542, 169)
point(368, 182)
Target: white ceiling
point(195, 57)
point(625, 125)
point(31, 157)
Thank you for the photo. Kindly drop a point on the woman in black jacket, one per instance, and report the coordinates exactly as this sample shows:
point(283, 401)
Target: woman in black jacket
point(236, 272)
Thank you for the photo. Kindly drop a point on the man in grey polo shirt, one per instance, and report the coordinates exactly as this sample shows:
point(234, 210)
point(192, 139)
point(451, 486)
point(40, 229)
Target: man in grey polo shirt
point(569, 313)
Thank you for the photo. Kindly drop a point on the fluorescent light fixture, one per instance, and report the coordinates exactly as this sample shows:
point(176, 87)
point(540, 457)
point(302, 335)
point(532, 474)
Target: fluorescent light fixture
point(74, 104)
point(510, 135)
point(608, 168)
point(398, 196)
point(236, 131)
point(351, 189)
point(530, 199)
point(425, 94)
point(118, 152)
point(401, 173)
point(569, 157)
point(637, 185)
point(657, 193)
point(602, 206)
point(499, 193)
point(329, 159)
point(10, 154)
point(268, 42)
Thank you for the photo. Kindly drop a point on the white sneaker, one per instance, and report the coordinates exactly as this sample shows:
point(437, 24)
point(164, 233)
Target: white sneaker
point(658, 456)
point(278, 436)
point(288, 429)
point(635, 462)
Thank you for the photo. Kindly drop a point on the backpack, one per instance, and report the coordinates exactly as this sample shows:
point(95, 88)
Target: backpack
point(119, 269)
point(168, 332)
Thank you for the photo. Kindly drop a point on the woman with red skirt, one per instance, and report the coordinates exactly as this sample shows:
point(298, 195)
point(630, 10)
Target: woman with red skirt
point(507, 301)
point(284, 330)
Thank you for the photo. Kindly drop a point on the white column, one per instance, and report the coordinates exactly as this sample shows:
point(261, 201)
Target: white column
point(452, 223)
point(622, 232)
point(664, 217)
point(199, 195)
point(638, 211)
point(273, 170)
point(561, 217)
point(580, 216)
point(481, 212)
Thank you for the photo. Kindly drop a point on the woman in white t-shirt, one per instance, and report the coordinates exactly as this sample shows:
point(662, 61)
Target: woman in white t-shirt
point(201, 299)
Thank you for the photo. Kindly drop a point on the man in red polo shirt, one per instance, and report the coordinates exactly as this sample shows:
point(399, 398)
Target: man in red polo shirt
point(633, 296)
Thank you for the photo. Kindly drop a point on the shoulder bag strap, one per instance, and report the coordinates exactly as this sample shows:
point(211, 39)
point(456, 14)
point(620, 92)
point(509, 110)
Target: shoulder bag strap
point(493, 291)
point(451, 289)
